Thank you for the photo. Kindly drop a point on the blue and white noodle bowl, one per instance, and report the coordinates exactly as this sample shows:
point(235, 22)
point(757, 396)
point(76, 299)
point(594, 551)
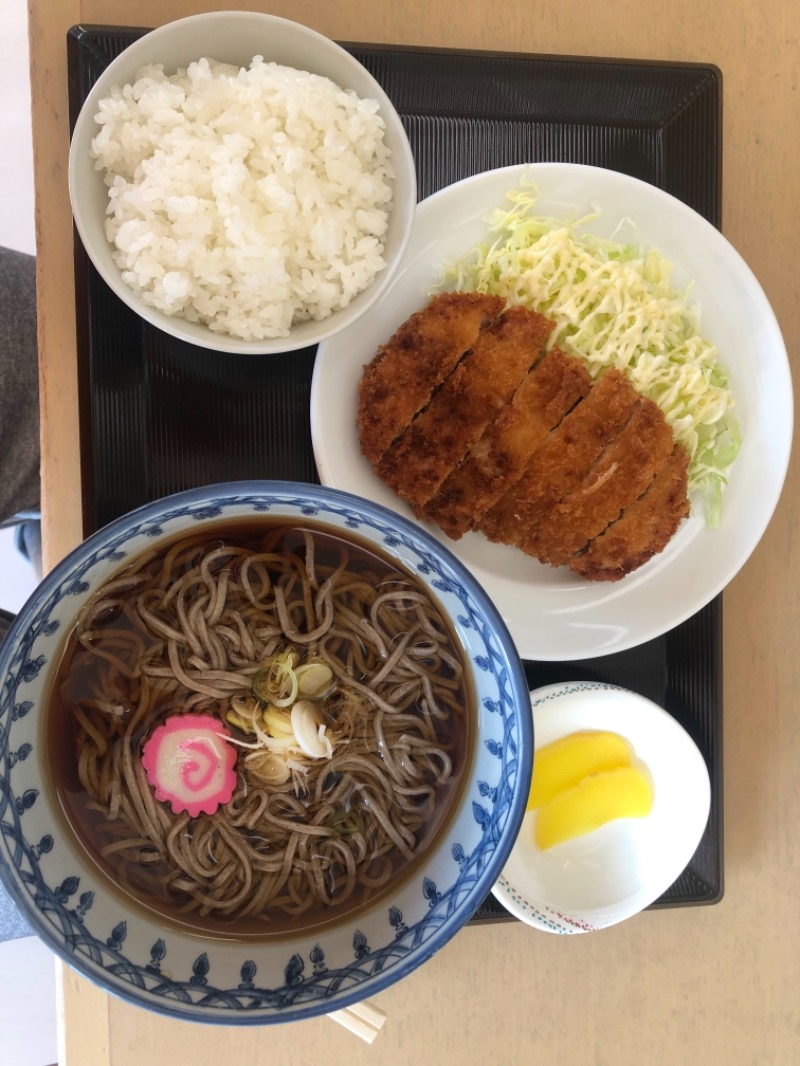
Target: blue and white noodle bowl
point(256, 980)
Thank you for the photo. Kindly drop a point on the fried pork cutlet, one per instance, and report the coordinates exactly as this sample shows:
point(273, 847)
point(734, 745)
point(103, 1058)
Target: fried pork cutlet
point(624, 470)
point(471, 397)
point(645, 527)
point(558, 467)
point(404, 373)
point(468, 419)
point(497, 460)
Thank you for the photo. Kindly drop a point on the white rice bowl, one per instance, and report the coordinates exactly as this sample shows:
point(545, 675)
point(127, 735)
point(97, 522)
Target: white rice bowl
point(218, 233)
point(247, 199)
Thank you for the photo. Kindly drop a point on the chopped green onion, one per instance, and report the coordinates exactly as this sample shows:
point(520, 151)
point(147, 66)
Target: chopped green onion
point(314, 679)
point(276, 682)
point(348, 823)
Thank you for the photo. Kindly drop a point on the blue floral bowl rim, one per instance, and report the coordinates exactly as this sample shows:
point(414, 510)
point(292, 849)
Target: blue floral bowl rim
point(524, 721)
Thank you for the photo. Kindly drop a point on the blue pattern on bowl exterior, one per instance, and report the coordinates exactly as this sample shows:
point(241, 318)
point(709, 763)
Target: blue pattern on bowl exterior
point(255, 981)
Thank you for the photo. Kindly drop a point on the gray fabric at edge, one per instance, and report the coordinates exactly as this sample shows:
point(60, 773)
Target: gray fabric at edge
point(19, 385)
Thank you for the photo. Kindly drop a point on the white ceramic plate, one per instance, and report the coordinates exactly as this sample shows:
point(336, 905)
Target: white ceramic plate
point(599, 879)
point(553, 614)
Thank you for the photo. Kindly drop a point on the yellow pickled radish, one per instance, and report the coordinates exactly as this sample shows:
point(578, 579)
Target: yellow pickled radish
point(566, 761)
point(624, 792)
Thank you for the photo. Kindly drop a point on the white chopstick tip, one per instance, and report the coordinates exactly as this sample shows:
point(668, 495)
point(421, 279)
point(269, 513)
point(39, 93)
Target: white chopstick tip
point(365, 1020)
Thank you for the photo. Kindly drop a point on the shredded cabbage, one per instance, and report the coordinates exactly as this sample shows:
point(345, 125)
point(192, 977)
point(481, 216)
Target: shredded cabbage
point(613, 305)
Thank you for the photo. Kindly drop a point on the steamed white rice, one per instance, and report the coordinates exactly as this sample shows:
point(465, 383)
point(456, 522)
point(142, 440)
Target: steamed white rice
point(244, 199)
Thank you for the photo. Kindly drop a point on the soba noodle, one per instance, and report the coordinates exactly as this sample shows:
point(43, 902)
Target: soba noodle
point(188, 629)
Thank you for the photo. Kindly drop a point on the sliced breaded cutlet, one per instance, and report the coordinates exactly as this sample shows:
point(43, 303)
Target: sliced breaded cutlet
point(401, 378)
point(623, 471)
point(644, 528)
point(471, 397)
point(559, 465)
point(498, 458)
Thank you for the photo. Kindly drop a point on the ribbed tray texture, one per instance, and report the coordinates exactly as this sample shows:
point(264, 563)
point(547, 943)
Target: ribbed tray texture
point(158, 416)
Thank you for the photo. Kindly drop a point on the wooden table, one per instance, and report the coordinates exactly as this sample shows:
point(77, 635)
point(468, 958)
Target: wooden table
point(717, 985)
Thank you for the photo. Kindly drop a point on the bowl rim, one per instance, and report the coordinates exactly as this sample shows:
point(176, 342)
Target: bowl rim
point(403, 206)
point(488, 873)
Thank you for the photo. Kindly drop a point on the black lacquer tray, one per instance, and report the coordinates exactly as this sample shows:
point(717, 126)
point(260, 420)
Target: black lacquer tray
point(158, 415)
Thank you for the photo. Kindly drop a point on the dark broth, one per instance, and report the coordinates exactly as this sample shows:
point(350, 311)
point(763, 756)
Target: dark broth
point(75, 681)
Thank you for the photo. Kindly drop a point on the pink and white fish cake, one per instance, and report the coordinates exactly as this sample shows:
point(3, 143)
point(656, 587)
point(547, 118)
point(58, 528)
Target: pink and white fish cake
point(190, 765)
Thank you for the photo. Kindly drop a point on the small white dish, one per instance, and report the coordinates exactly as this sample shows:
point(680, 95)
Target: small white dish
point(552, 613)
point(604, 877)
